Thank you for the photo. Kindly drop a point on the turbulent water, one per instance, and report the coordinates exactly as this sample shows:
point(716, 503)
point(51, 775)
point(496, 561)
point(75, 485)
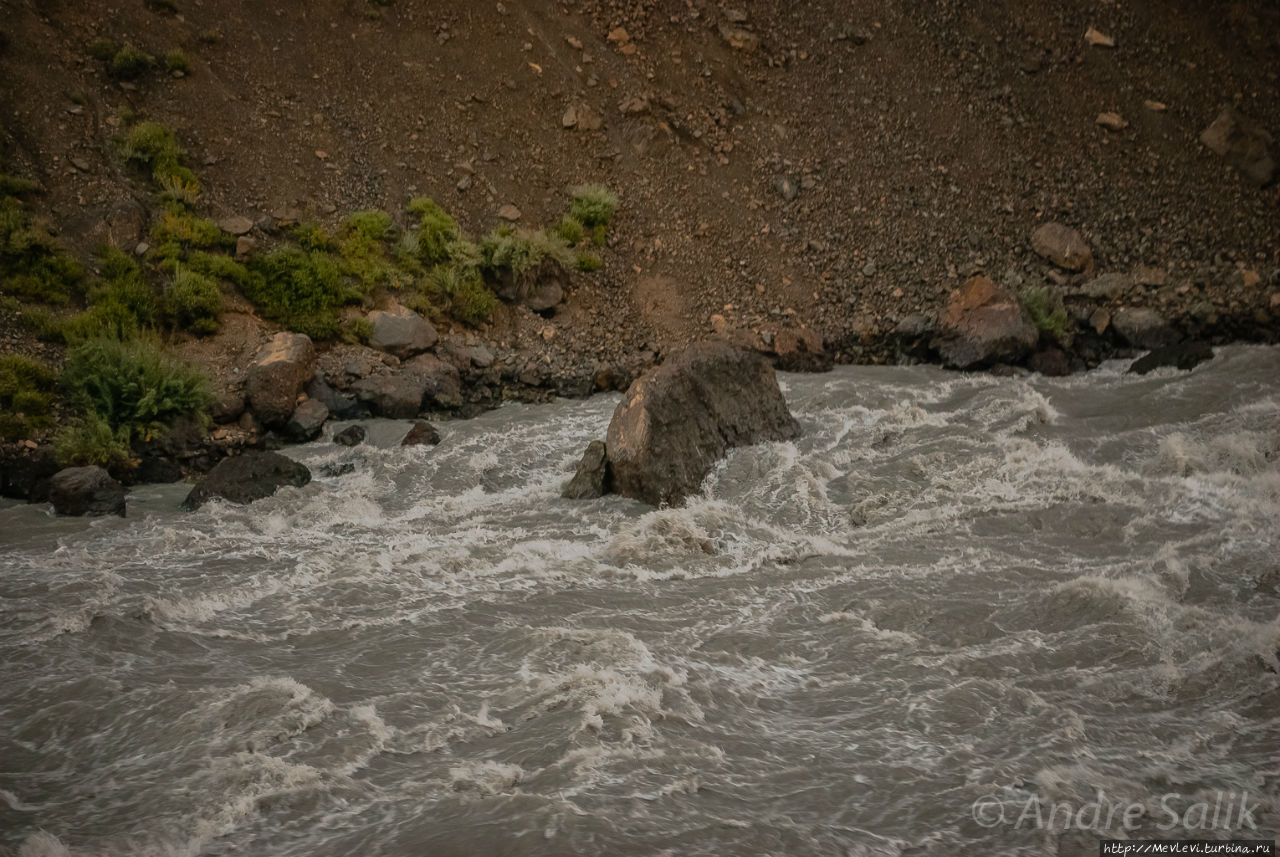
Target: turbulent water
point(1028, 593)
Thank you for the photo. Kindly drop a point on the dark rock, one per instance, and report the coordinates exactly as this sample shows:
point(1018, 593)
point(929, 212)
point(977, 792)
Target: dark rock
point(1185, 356)
point(307, 421)
point(1242, 144)
point(984, 324)
point(1143, 328)
point(1052, 362)
point(676, 421)
point(247, 477)
point(442, 383)
point(86, 491)
point(422, 433)
point(158, 470)
point(350, 436)
point(337, 468)
point(25, 472)
point(1102, 287)
point(395, 396)
point(283, 365)
point(915, 326)
point(227, 407)
point(340, 405)
point(589, 482)
point(1063, 246)
point(544, 297)
point(401, 331)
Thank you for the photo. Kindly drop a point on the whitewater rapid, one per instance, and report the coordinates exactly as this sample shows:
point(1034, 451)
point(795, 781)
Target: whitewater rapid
point(952, 592)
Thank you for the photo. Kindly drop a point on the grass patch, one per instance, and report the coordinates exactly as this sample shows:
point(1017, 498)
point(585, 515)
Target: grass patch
point(212, 36)
point(26, 396)
point(589, 262)
point(180, 232)
point(193, 301)
point(91, 440)
point(303, 290)
point(437, 230)
point(32, 265)
point(357, 331)
point(593, 205)
point(1046, 310)
point(362, 242)
point(176, 60)
point(570, 230)
point(470, 300)
point(312, 236)
point(129, 63)
point(17, 185)
point(521, 250)
point(156, 148)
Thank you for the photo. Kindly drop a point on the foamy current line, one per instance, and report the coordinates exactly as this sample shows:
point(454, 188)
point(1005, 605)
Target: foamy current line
point(955, 602)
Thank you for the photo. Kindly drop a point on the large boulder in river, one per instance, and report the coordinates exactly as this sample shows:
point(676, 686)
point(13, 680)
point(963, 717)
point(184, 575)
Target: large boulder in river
point(984, 324)
point(677, 420)
point(283, 365)
point(86, 491)
point(247, 477)
point(1185, 356)
point(591, 479)
point(400, 331)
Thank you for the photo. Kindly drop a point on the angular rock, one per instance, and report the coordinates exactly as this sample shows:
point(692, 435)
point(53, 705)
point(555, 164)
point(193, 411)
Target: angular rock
point(334, 469)
point(544, 297)
point(1185, 356)
point(395, 396)
point(1103, 287)
point(401, 331)
point(421, 433)
point(589, 481)
point(227, 407)
point(509, 212)
point(340, 405)
point(86, 491)
point(799, 349)
point(307, 421)
point(984, 324)
point(1243, 144)
point(1063, 246)
point(350, 436)
point(247, 477)
point(1143, 328)
point(283, 365)
point(442, 383)
point(677, 420)
point(1112, 121)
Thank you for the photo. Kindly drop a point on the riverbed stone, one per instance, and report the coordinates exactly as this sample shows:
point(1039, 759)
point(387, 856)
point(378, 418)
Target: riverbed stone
point(307, 421)
point(400, 331)
point(421, 433)
point(283, 365)
point(676, 421)
point(396, 396)
point(984, 324)
point(590, 479)
point(247, 477)
point(1143, 328)
point(86, 491)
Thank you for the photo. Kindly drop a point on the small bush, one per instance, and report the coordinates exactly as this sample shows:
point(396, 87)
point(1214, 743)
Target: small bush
point(45, 325)
point(91, 440)
point(436, 231)
point(589, 262)
point(357, 331)
point(174, 189)
point(312, 236)
point(16, 185)
point(26, 396)
point(593, 205)
point(176, 60)
point(301, 290)
point(180, 232)
point(570, 230)
point(470, 300)
point(369, 225)
point(362, 244)
point(521, 250)
point(1046, 310)
point(32, 265)
point(132, 386)
point(154, 146)
point(218, 267)
point(193, 302)
point(599, 233)
point(211, 36)
point(103, 50)
point(129, 63)
point(122, 304)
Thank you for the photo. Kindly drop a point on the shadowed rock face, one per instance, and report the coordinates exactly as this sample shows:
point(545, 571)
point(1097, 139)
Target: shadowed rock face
point(283, 365)
point(86, 491)
point(590, 480)
point(676, 421)
point(984, 324)
point(246, 478)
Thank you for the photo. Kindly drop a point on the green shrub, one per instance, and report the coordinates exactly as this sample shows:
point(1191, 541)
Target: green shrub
point(570, 230)
point(176, 60)
point(593, 205)
point(599, 233)
point(1046, 310)
point(211, 36)
point(103, 50)
point(154, 146)
point(122, 304)
point(301, 290)
point(470, 300)
point(129, 63)
point(312, 236)
point(32, 265)
point(218, 266)
point(521, 250)
point(180, 232)
point(179, 191)
point(362, 243)
point(368, 225)
point(16, 185)
point(91, 440)
point(26, 396)
point(133, 386)
point(589, 262)
point(45, 325)
point(357, 331)
point(193, 302)
point(436, 231)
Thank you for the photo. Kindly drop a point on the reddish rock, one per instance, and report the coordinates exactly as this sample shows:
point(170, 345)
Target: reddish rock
point(1063, 246)
point(984, 324)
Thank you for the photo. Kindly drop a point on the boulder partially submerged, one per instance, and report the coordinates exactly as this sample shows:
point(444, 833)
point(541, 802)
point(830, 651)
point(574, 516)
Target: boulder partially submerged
point(676, 421)
point(86, 491)
point(247, 477)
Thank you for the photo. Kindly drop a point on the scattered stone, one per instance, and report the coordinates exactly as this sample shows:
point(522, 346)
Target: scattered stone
point(984, 324)
point(1111, 121)
point(739, 38)
point(633, 106)
point(545, 296)
point(400, 331)
point(1098, 39)
point(589, 480)
point(1250, 278)
point(1063, 246)
point(394, 396)
point(1143, 328)
point(247, 477)
point(787, 188)
point(798, 349)
point(1185, 356)
point(574, 42)
point(677, 420)
point(421, 433)
point(588, 119)
point(1149, 276)
point(1100, 320)
point(442, 383)
point(245, 245)
point(80, 164)
point(86, 491)
point(1243, 144)
point(619, 35)
point(509, 212)
point(307, 421)
point(915, 326)
point(283, 365)
point(350, 436)
point(236, 225)
point(1103, 287)
point(481, 357)
point(570, 117)
point(1155, 106)
point(340, 405)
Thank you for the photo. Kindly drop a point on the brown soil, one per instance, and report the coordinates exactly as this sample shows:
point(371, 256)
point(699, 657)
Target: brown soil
point(916, 141)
